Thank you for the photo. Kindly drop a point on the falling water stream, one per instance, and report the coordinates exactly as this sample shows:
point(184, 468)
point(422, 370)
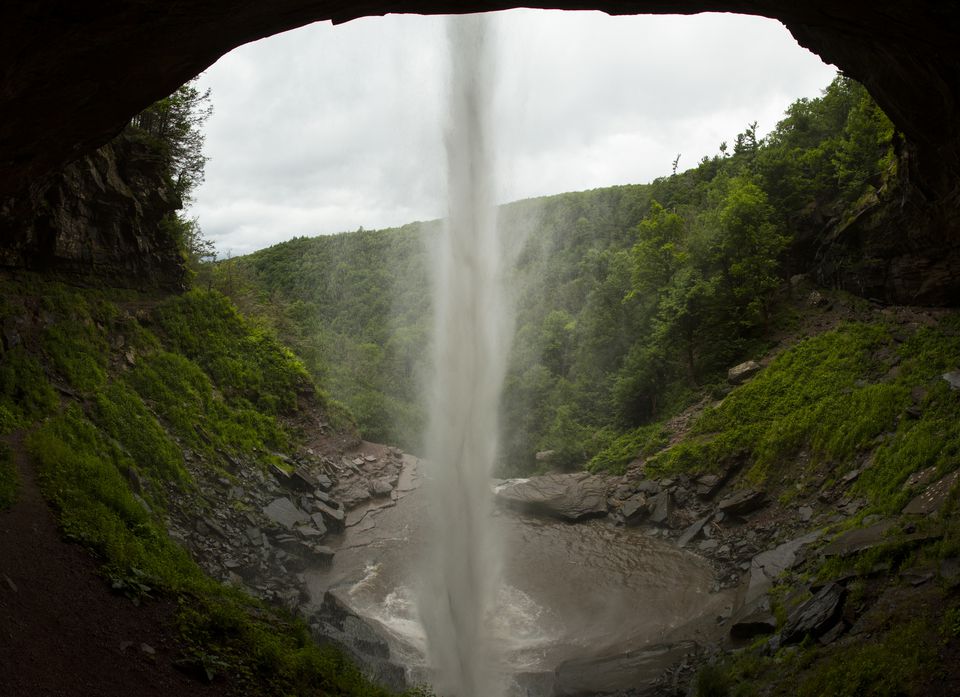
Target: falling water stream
point(461, 571)
point(477, 601)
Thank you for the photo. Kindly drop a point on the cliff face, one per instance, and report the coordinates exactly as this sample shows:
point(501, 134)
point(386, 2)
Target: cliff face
point(100, 216)
point(894, 250)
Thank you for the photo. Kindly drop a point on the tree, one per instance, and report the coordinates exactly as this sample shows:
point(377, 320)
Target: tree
point(748, 247)
point(174, 125)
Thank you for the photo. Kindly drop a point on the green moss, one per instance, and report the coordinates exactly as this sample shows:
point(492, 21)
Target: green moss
point(9, 481)
point(930, 440)
point(623, 449)
point(25, 392)
point(244, 361)
point(83, 474)
point(183, 396)
point(225, 632)
point(78, 351)
point(120, 412)
point(834, 399)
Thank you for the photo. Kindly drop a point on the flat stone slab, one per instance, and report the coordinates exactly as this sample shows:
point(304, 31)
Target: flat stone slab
point(743, 372)
point(633, 670)
point(816, 616)
point(743, 502)
point(933, 496)
point(284, 512)
point(569, 497)
point(688, 535)
point(333, 517)
point(634, 509)
point(854, 541)
point(766, 566)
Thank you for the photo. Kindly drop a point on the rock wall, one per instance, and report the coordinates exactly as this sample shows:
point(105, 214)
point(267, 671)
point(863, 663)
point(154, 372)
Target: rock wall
point(99, 217)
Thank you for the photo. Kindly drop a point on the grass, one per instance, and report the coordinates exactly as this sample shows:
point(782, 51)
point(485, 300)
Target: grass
point(203, 376)
point(834, 398)
point(246, 361)
point(627, 447)
point(121, 414)
point(226, 633)
point(25, 392)
point(885, 667)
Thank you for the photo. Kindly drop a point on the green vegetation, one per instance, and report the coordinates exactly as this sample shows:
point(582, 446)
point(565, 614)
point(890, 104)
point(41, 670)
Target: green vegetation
point(893, 663)
point(630, 301)
point(173, 129)
point(835, 398)
point(138, 385)
point(25, 392)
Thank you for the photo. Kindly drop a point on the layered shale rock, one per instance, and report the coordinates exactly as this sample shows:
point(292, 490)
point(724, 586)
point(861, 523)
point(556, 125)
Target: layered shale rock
point(101, 216)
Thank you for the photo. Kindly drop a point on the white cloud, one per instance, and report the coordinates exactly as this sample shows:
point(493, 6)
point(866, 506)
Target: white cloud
point(326, 128)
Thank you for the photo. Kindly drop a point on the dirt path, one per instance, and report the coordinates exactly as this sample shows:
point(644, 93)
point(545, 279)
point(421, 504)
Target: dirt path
point(62, 632)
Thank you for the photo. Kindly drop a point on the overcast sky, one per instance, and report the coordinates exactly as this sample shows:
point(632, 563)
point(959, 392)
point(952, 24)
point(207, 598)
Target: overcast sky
point(330, 128)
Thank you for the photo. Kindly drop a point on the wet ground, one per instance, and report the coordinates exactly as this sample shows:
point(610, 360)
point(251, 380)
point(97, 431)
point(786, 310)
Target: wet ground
point(569, 591)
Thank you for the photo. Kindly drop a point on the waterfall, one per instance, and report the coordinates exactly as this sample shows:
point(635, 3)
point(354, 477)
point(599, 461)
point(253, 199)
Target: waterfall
point(462, 567)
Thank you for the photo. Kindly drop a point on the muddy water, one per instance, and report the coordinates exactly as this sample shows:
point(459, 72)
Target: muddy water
point(570, 591)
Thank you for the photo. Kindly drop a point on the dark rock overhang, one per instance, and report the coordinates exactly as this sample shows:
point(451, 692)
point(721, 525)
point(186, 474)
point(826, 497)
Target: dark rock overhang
point(72, 74)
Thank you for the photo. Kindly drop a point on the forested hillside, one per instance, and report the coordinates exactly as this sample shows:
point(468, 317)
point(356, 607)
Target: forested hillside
point(629, 300)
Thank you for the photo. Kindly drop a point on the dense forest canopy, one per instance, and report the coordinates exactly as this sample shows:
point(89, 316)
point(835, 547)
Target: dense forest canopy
point(628, 299)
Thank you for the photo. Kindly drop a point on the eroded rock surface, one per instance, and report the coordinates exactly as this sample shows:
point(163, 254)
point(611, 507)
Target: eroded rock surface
point(566, 496)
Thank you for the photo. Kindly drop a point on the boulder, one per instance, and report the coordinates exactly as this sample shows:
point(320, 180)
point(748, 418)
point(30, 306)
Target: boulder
point(380, 487)
point(692, 531)
point(816, 616)
point(634, 509)
point(366, 641)
point(661, 506)
point(766, 566)
point(743, 502)
point(284, 512)
point(742, 372)
point(301, 480)
point(569, 497)
point(332, 517)
point(356, 493)
point(707, 485)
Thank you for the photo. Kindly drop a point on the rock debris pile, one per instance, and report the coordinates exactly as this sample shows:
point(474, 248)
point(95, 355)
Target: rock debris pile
point(258, 526)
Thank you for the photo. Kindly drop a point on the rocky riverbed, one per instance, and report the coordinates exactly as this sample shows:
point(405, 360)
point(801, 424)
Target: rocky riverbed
point(614, 584)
